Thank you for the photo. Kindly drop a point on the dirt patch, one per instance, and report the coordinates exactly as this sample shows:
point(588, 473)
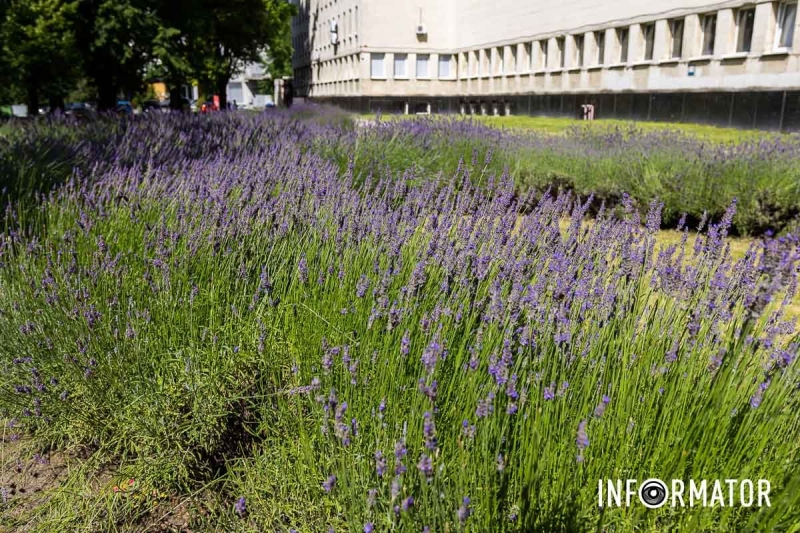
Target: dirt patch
point(26, 477)
point(28, 481)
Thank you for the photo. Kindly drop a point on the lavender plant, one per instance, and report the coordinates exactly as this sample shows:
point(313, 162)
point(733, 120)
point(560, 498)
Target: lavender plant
point(417, 353)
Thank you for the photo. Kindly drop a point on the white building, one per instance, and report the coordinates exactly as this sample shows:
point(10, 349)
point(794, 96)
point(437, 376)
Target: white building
point(726, 62)
point(242, 87)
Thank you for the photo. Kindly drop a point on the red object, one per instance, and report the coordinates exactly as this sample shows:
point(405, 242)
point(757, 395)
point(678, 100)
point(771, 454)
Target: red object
point(211, 105)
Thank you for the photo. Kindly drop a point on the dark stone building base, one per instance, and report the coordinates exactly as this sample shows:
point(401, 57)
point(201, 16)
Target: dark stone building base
point(767, 110)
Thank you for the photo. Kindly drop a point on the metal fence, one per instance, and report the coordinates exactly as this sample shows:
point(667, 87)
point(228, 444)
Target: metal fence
point(767, 110)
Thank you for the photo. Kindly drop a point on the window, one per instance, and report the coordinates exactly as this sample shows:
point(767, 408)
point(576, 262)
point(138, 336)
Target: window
point(649, 35)
point(377, 65)
point(560, 47)
point(474, 62)
point(676, 34)
point(500, 61)
point(786, 20)
point(529, 55)
point(709, 28)
point(744, 29)
point(622, 40)
point(400, 65)
point(512, 59)
point(579, 49)
point(422, 65)
point(543, 55)
point(600, 39)
point(444, 66)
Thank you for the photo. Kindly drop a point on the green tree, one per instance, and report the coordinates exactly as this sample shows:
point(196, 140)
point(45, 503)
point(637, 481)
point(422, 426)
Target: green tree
point(39, 50)
point(228, 34)
point(115, 39)
point(180, 22)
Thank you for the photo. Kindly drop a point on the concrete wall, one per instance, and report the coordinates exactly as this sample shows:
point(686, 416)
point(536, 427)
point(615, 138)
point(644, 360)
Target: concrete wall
point(499, 47)
point(391, 25)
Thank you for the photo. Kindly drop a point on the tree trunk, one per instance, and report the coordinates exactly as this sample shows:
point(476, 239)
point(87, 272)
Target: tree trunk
point(57, 103)
point(175, 98)
point(33, 97)
point(106, 94)
point(222, 91)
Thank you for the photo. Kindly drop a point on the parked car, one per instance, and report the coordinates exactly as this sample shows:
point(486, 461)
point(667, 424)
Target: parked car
point(124, 107)
point(80, 110)
point(150, 106)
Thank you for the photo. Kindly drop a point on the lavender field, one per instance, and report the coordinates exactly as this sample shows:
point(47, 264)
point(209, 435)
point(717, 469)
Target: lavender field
point(286, 323)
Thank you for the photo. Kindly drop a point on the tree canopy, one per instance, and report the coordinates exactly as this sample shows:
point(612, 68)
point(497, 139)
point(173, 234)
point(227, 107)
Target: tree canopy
point(50, 47)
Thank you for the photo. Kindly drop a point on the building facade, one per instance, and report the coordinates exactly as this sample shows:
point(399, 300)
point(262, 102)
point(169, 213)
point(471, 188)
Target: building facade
point(733, 62)
point(243, 87)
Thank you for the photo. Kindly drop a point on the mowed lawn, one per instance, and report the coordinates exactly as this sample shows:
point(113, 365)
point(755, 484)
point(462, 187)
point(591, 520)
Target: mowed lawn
point(558, 125)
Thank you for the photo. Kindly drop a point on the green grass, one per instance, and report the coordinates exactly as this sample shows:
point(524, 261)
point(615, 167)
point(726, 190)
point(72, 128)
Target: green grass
point(559, 125)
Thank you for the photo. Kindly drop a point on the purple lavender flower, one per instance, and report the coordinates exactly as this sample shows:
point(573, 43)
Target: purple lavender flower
point(302, 270)
point(582, 440)
point(425, 465)
point(468, 430)
point(400, 452)
point(329, 483)
point(380, 463)
point(408, 503)
point(240, 506)
point(464, 511)
point(601, 407)
point(362, 286)
point(405, 343)
point(429, 431)
point(369, 527)
point(755, 399)
point(549, 392)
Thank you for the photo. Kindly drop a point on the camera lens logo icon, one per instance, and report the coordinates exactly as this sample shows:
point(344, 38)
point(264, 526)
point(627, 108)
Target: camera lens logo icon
point(653, 493)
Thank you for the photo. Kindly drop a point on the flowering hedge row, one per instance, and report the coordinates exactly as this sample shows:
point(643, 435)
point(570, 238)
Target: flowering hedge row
point(423, 353)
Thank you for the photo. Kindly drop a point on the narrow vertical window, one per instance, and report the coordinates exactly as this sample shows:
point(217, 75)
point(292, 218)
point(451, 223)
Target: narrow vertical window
point(529, 55)
point(709, 26)
point(579, 49)
point(744, 29)
point(622, 40)
point(561, 56)
point(676, 34)
point(786, 21)
point(500, 60)
point(543, 47)
point(600, 38)
point(649, 36)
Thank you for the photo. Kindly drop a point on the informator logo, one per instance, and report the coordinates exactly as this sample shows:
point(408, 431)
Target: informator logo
point(655, 493)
